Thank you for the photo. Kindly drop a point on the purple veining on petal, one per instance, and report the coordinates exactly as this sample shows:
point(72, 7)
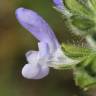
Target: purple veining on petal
point(37, 26)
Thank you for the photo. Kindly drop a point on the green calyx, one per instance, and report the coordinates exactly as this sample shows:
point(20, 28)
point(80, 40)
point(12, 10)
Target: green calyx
point(82, 20)
point(85, 70)
point(80, 17)
point(75, 52)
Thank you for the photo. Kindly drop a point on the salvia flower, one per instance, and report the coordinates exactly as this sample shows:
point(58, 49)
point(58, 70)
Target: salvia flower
point(49, 53)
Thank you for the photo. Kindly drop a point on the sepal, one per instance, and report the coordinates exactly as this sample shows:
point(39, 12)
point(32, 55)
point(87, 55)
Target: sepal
point(75, 52)
point(85, 72)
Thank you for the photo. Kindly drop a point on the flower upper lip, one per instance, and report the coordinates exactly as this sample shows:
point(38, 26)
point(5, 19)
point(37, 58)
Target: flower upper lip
point(37, 26)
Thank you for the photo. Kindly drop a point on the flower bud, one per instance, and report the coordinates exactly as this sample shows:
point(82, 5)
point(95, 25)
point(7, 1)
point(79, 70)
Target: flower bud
point(82, 20)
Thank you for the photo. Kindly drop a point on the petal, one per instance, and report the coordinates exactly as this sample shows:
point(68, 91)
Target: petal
point(32, 57)
point(37, 26)
point(44, 70)
point(31, 71)
point(43, 54)
point(44, 49)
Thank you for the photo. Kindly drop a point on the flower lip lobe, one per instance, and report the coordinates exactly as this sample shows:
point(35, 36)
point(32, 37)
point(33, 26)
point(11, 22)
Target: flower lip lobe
point(30, 71)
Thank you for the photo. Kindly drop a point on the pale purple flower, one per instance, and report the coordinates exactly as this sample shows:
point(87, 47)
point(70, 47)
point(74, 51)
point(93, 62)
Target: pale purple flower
point(49, 47)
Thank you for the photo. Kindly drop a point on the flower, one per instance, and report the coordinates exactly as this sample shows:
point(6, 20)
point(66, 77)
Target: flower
point(49, 53)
